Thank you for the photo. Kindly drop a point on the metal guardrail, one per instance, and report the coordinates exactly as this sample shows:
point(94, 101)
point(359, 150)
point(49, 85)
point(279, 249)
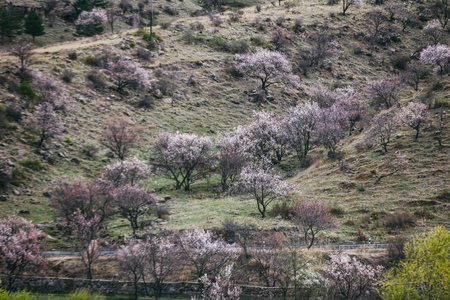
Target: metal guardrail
point(113, 252)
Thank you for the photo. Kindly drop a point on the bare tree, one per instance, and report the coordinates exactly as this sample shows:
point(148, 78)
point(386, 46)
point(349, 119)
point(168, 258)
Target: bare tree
point(23, 50)
point(382, 128)
point(312, 216)
point(394, 166)
point(119, 135)
point(133, 261)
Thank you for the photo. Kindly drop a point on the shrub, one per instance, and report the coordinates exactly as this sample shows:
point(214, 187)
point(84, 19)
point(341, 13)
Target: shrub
point(298, 26)
point(132, 44)
point(93, 61)
point(90, 150)
point(239, 46)
point(188, 36)
point(96, 80)
point(259, 41)
point(19, 176)
point(398, 220)
point(14, 113)
point(444, 195)
point(233, 17)
point(216, 21)
point(399, 61)
point(170, 10)
point(26, 90)
point(33, 164)
point(306, 162)
point(280, 20)
point(283, 209)
point(164, 25)
point(67, 75)
point(153, 37)
point(258, 8)
point(147, 102)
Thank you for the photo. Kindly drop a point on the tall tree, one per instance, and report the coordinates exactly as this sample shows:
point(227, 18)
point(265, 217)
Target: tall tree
point(34, 25)
point(10, 22)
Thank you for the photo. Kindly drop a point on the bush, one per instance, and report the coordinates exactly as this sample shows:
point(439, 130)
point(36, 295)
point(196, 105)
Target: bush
point(19, 176)
point(153, 37)
point(67, 76)
point(197, 26)
point(233, 17)
point(93, 61)
point(170, 10)
point(26, 90)
point(33, 164)
point(164, 25)
point(306, 162)
point(96, 80)
point(298, 26)
point(398, 220)
point(444, 195)
point(146, 102)
point(337, 210)
point(280, 20)
point(216, 21)
point(132, 44)
point(399, 61)
point(283, 209)
point(162, 212)
point(14, 113)
point(239, 46)
point(90, 150)
point(259, 41)
point(188, 36)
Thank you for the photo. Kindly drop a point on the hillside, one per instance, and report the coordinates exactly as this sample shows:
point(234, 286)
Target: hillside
point(218, 102)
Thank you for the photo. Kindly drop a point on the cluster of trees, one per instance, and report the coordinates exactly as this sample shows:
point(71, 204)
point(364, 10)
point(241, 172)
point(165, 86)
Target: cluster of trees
point(12, 24)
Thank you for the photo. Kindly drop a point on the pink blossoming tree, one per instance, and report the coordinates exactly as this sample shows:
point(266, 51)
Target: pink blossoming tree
point(268, 66)
point(414, 115)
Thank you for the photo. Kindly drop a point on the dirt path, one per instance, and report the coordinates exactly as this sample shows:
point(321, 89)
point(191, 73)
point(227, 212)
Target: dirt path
point(74, 45)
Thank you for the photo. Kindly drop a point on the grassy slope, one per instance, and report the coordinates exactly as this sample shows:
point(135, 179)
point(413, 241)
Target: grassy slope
point(425, 178)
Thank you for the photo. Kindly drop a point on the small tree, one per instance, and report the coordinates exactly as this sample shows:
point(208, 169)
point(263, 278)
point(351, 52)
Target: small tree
point(88, 5)
point(322, 45)
point(331, 128)
point(349, 278)
point(69, 196)
point(382, 128)
point(233, 155)
point(133, 260)
point(438, 55)
point(206, 253)
point(119, 135)
point(385, 91)
point(19, 248)
point(424, 272)
point(312, 217)
point(130, 171)
point(125, 73)
point(346, 4)
point(267, 134)
point(5, 170)
point(301, 123)
point(86, 232)
point(281, 39)
point(162, 260)
point(394, 166)
point(263, 184)
point(133, 202)
point(34, 25)
point(111, 17)
point(415, 72)
point(46, 123)
point(433, 32)
point(268, 264)
point(268, 66)
point(241, 234)
point(23, 50)
point(182, 157)
point(414, 115)
point(90, 23)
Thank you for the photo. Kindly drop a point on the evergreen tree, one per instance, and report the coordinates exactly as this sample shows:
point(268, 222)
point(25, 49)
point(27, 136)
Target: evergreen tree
point(34, 25)
point(88, 5)
point(10, 22)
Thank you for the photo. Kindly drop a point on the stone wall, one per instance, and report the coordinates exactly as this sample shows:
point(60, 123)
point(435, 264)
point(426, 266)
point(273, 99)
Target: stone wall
point(109, 287)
